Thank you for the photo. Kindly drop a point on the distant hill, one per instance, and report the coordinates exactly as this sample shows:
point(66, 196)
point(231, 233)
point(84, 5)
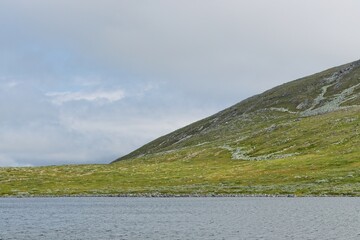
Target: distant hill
point(279, 123)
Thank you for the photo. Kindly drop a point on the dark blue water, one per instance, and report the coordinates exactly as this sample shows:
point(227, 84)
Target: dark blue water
point(180, 218)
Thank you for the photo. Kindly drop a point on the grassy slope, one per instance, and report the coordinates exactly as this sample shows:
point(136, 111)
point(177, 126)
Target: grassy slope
point(254, 113)
point(324, 167)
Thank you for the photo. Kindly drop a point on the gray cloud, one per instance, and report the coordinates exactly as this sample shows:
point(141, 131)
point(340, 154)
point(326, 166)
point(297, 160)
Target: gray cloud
point(125, 72)
point(199, 42)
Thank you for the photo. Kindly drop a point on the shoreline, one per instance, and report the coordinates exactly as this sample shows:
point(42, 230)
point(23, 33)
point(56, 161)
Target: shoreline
point(178, 196)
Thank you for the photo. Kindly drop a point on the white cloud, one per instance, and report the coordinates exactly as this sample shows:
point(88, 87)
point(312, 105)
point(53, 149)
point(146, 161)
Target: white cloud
point(99, 95)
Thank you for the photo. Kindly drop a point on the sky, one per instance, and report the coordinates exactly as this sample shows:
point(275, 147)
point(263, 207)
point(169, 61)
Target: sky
point(88, 81)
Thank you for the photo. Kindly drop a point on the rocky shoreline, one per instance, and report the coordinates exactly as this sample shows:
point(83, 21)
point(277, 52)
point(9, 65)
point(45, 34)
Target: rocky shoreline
point(174, 196)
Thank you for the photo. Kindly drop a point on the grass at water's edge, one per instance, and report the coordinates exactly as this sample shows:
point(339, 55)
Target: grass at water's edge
point(322, 158)
point(296, 176)
point(181, 196)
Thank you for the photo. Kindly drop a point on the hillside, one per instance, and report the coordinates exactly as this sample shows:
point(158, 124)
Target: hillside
point(245, 128)
point(300, 138)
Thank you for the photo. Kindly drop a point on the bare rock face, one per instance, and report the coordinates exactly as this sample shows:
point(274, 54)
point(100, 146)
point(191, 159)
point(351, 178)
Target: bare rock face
point(303, 105)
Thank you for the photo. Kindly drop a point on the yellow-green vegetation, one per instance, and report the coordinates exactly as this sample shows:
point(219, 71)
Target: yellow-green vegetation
point(324, 166)
point(301, 138)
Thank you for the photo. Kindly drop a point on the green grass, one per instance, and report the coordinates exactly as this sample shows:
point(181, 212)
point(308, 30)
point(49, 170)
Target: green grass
point(328, 163)
point(305, 175)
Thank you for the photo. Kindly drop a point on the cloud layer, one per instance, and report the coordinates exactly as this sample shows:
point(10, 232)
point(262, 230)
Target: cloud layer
point(87, 81)
point(97, 96)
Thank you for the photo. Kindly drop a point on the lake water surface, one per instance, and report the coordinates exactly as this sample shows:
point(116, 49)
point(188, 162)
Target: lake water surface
point(179, 218)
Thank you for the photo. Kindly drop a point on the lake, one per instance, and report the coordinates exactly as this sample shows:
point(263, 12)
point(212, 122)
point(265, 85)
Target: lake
point(179, 218)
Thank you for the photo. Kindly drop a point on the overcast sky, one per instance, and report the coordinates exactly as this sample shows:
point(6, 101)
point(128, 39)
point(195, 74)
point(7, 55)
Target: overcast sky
point(87, 81)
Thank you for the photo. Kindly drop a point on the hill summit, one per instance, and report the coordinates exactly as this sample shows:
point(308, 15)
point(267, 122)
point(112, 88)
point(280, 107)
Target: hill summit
point(314, 114)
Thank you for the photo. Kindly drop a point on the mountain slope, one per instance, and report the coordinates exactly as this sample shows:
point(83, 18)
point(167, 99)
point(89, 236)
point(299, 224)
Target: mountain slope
point(245, 128)
point(301, 138)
